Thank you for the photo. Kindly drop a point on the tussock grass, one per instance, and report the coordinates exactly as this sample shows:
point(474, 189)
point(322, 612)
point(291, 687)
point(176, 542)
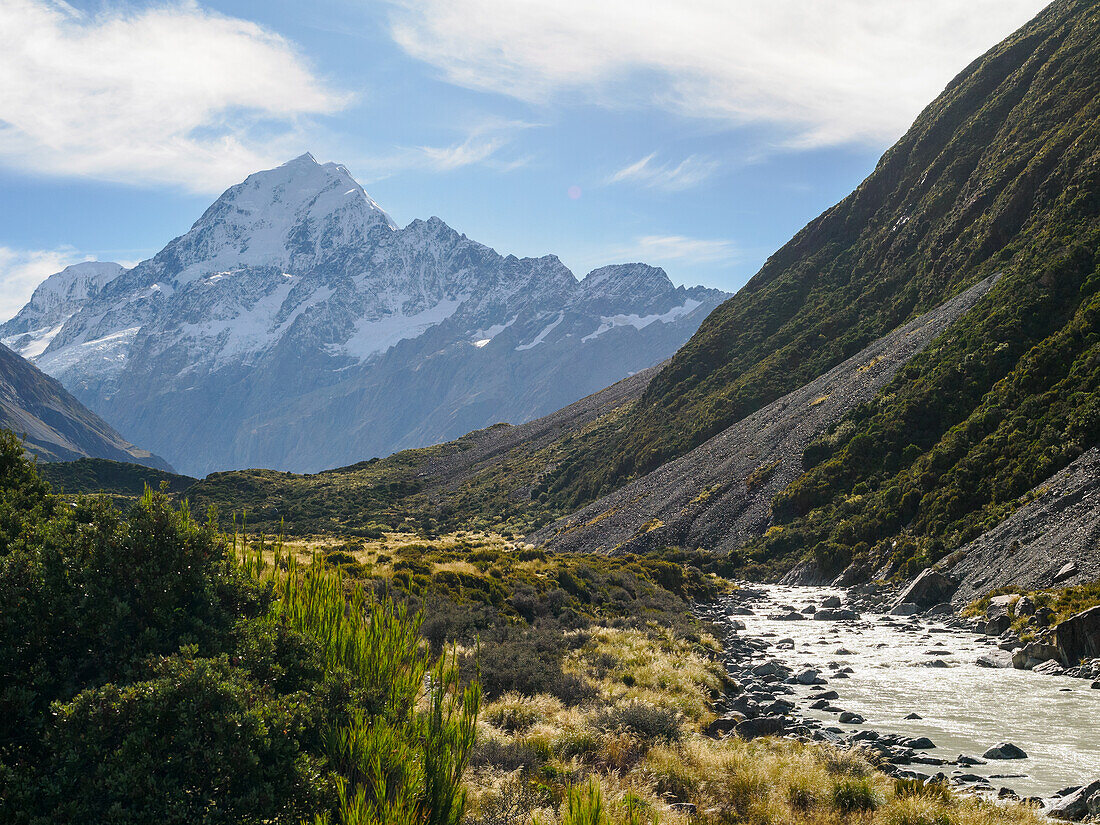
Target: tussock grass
point(597, 763)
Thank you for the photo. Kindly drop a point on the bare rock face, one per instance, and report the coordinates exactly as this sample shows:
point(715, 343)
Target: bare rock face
point(927, 589)
point(1078, 637)
point(1050, 541)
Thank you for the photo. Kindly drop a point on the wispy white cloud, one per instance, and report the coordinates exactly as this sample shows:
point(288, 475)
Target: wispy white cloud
point(689, 172)
point(480, 145)
point(676, 248)
point(166, 93)
point(830, 73)
point(21, 270)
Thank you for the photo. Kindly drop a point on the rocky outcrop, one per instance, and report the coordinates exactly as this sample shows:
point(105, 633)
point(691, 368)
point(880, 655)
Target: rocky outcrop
point(928, 589)
point(1051, 539)
point(1078, 637)
point(718, 496)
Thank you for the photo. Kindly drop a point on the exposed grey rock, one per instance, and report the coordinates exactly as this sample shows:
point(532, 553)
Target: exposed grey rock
point(999, 658)
point(831, 601)
point(762, 726)
point(1049, 668)
point(1065, 572)
point(850, 718)
point(808, 677)
point(1034, 653)
point(929, 588)
point(1005, 750)
point(905, 609)
point(835, 614)
point(54, 425)
point(1078, 637)
point(1074, 806)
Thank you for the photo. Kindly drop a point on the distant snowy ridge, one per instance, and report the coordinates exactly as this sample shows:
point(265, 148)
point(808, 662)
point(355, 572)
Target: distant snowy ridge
point(296, 326)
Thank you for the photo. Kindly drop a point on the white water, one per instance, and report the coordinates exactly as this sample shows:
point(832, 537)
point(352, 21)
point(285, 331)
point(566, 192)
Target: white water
point(965, 708)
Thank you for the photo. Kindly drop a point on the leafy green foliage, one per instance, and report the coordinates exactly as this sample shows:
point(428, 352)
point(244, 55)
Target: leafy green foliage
point(147, 676)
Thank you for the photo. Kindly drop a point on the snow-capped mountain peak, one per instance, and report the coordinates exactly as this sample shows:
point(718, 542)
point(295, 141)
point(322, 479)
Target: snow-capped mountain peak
point(291, 216)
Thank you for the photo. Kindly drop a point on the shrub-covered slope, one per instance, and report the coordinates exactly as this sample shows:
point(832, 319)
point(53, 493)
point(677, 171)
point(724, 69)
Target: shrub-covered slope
point(998, 174)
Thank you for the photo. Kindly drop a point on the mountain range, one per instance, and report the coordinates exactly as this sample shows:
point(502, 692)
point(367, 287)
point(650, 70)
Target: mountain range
point(296, 327)
point(914, 367)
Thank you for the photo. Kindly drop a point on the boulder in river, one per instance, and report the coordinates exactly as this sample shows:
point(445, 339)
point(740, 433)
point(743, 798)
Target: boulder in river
point(809, 676)
point(1034, 653)
point(929, 588)
point(835, 614)
point(1005, 750)
point(905, 609)
point(998, 658)
point(1051, 667)
point(849, 718)
point(1078, 637)
point(831, 601)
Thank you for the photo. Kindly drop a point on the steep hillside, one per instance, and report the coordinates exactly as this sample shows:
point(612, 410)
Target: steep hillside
point(997, 174)
point(1051, 540)
point(296, 327)
point(488, 478)
point(718, 496)
point(53, 424)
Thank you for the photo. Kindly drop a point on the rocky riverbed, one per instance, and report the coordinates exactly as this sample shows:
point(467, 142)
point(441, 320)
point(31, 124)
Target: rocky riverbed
point(925, 695)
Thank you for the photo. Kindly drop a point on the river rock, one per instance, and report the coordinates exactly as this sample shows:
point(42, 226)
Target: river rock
point(1000, 658)
point(1034, 653)
point(808, 677)
point(725, 725)
point(1094, 804)
point(835, 614)
point(1049, 668)
point(831, 601)
point(905, 609)
point(921, 743)
point(1096, 685)
point(1005, 750)
point(791, 616)
point(914, 716)
point(969, 761)
point(762, 726)
point(997, 625)
point(1078, 637)
point(1075, 806)
point(929, 588)
point(849, 718)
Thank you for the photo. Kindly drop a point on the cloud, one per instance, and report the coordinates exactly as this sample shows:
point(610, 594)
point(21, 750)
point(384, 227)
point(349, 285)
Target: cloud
point(829, 73)
point(169, 93)
point(689, 172)
point(21, 270)
point(678, 248)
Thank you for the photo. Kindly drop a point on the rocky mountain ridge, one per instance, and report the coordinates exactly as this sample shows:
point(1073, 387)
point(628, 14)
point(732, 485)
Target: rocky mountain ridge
point(55, 426)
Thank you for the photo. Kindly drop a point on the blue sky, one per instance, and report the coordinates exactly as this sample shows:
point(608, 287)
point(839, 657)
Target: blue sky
point(697, 135)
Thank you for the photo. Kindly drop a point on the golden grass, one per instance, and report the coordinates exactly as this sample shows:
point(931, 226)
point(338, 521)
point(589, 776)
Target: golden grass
point(728, 782)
